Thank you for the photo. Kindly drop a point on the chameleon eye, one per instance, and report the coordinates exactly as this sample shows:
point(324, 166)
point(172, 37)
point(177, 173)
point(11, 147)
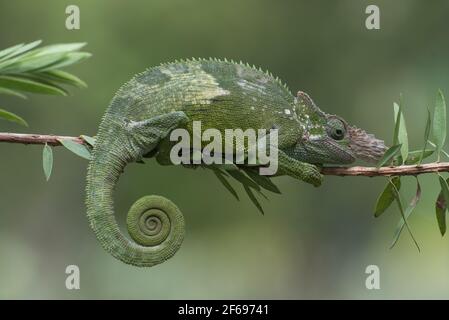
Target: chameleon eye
point(336, 128)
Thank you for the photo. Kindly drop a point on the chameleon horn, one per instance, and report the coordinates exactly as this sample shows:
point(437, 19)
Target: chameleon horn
point(365, 146)
point(151, 219)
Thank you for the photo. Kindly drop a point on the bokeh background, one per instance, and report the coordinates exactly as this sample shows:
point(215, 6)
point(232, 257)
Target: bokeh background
point(312, 243)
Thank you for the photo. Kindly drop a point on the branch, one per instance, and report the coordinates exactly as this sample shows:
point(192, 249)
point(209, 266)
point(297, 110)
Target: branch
point(409, 170)
point(36, 138)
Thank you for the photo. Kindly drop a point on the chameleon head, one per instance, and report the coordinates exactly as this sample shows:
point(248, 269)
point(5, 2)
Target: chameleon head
point(328, 139)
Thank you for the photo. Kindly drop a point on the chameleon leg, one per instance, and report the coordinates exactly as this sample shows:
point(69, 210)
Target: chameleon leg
point(154, 223)
point(294, 168)
point(163, 156)
point(299, 170)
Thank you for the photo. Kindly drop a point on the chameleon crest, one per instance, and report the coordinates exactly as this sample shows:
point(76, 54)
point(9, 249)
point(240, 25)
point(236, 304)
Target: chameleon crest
point(221, 95)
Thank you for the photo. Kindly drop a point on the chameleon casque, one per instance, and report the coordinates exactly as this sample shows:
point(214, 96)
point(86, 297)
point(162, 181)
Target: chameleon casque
point(220, 94)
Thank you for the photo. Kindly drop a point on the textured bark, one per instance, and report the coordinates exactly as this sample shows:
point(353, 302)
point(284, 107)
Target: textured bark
point(410, 170)
point(36, 138)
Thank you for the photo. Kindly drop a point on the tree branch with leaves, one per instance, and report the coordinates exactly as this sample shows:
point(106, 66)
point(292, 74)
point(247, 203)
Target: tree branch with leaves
point(25, 68)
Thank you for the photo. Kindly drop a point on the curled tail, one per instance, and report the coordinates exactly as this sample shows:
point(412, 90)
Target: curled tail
point(154, 223)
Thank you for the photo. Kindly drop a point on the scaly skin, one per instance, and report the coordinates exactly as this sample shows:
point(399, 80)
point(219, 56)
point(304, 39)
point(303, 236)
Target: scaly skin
point(222, 95)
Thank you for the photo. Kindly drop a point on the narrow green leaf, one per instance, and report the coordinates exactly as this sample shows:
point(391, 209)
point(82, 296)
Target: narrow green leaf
point(401, 209)
point(41, 56)
point(389, 155)
point(407, 214)
point(387, 196)
point(69, 59)
point(7, 51)
point(6, 115)
point(442, 151)
point(263, 181)
point(426, 137)
point(229, 167)
point(253, 199)
point(440, 211)
point(402, 136)
point(243, 179)
point(225, 183)
point(59, 48)
point(47, 161)
point(88, 139)
point(439, 123)
point(12, 93)
point(78, 149)
point(20, 49)
point(31, 63)
point(40, 78)
point(19, 83)
point(64, 77)
point(397, 123)
point(441, 205)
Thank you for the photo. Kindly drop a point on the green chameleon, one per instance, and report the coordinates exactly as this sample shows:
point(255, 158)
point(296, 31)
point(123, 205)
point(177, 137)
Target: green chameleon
point(220, 94)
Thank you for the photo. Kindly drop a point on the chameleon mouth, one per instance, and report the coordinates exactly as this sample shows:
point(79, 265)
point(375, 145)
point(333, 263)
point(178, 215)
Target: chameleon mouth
point(365, 146)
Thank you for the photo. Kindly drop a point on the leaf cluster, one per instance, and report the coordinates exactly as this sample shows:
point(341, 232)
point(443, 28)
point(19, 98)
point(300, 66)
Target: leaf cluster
point(399, 154)
point(27, 68)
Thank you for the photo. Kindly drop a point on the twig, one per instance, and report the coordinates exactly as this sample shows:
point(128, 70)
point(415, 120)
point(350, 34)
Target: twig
point(408, 170)
point(36, 138)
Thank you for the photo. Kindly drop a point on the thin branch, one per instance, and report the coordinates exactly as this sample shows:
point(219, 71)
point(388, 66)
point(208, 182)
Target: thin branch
point(409, 170)
point(36, 138)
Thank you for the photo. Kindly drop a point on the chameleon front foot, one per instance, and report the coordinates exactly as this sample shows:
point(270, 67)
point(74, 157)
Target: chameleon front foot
point(156, 222)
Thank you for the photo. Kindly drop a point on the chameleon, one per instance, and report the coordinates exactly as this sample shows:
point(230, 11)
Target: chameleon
point(221, 94)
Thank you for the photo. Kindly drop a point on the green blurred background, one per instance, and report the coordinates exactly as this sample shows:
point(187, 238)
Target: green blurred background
point(312, 243)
